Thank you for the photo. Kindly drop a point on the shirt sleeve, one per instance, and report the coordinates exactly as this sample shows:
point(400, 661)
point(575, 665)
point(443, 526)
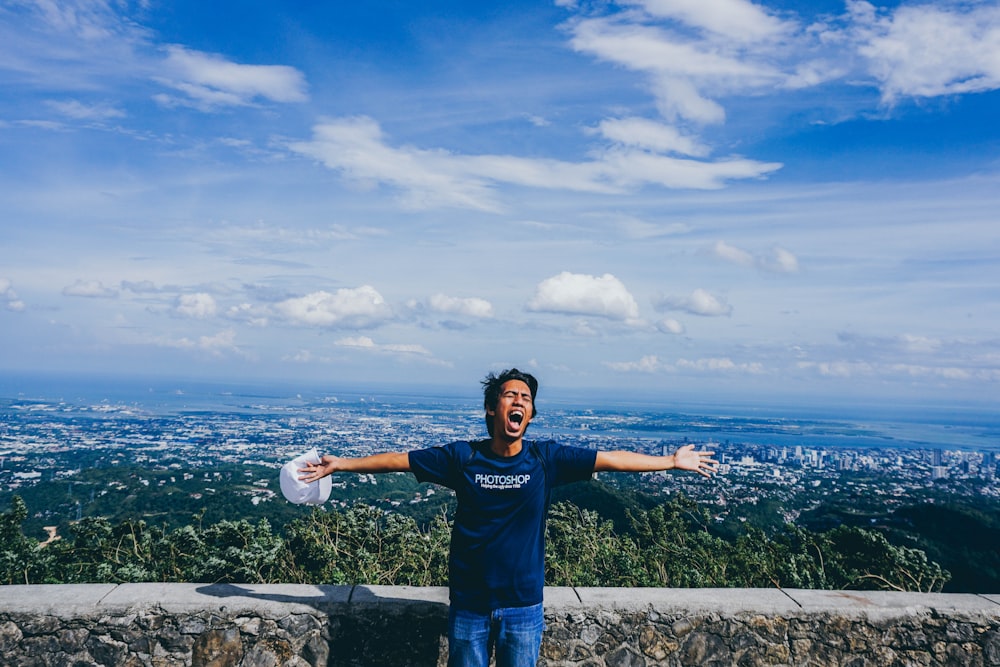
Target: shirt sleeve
point(433, 464)
point(571, 464)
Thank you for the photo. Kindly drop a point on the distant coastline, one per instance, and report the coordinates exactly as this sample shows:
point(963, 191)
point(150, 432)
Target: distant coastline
point(562, 412)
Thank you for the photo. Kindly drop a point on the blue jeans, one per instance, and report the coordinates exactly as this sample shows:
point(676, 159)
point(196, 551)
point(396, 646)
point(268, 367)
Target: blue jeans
point(515, 633)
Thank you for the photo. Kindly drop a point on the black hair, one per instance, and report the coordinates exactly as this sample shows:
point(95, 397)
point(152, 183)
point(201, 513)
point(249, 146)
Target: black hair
point(491, 391)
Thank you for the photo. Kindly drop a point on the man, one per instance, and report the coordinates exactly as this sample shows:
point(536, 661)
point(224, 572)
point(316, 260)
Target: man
point(503, 486)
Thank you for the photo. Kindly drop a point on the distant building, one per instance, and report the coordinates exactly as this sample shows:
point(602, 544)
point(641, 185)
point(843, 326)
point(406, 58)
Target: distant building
point(988, 469)
point(939, 472)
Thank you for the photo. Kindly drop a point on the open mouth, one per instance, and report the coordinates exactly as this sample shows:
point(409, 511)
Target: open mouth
point(516, 417)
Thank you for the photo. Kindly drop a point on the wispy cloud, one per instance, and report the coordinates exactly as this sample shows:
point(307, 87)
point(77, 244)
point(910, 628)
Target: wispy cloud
point(430, 178)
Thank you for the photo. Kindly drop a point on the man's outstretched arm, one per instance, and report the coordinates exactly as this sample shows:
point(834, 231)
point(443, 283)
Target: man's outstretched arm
point(376, 463)
point(685, 458)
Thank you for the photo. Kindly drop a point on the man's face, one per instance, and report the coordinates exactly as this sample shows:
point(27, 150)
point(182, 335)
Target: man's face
point(513, 411)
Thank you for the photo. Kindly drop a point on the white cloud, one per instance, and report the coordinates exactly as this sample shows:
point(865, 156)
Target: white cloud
point(209, 80)
point(777, 260)
point(471, 307)
point(357, 148)
point(580, 294)
point(928, 51)
point(93, 289)
point(9, 296)
point(198, 306)
point(699, 302)
point(350, 308)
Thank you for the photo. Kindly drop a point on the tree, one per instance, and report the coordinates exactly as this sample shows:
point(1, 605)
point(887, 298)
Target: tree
point(365, 545)
point(21, 558)
point(866, 559)
point(583, 550)
point(677, 548)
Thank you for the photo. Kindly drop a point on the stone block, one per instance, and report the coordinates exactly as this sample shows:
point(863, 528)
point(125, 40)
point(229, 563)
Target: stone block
point(217, 648)
point(53, 599)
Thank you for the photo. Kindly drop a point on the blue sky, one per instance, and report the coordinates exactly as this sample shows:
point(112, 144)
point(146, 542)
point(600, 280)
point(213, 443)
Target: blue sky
point(696, 199)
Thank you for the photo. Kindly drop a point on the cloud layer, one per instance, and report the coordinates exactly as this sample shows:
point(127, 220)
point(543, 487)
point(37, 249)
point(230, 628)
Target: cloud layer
point(752, 197)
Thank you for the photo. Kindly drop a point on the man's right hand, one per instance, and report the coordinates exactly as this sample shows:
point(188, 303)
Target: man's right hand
point(314, 471)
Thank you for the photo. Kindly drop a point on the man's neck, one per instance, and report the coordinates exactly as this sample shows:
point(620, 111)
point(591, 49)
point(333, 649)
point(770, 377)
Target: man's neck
point(506, 448)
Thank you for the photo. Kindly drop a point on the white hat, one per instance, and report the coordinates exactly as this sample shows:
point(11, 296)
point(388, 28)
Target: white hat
point(298, 491)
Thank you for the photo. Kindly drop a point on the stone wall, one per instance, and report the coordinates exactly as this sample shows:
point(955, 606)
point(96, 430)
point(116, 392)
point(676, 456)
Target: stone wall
point(222, 625)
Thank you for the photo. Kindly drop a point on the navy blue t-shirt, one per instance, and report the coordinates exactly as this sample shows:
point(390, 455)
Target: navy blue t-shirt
point(498, 539)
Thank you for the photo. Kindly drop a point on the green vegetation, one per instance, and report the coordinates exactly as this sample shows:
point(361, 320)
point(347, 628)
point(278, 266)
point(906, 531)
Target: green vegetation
point(962, 537)
point(670, 544)
point(230, 523)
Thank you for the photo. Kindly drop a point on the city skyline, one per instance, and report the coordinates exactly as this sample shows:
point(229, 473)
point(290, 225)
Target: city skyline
point(706, 200)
